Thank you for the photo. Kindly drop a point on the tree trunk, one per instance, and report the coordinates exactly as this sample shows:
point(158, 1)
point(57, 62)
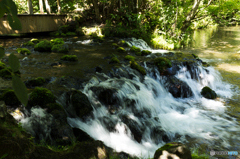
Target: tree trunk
point(41, 6)
point(58, 6)
point(95, 4)
point(191, 15)
point(47, 7)
point(30, 7)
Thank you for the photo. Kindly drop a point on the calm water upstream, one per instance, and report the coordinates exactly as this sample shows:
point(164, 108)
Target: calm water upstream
point(200, 122)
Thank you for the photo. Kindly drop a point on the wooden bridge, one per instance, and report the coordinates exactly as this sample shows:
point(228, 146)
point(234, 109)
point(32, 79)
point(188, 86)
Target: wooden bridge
point(33, 23)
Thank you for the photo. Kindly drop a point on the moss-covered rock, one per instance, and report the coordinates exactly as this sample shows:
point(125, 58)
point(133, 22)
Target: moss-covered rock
point(10, 98)
point(43, 46)
point(115, 45)
point(130, 58)
point(2, 65)
point(135, 49)
point(69, 58)
point(29, 43)
point(123, 43)
point(60, 48)
point(5, 73)
point(205, 64)
point(23, 51)
point(35, 41)
point(162, 63)
point(35, 82)
point(121, 49)
point(174, 148)
point(208, 93)
point(71, 34)
point(63, 29)
point(195, 56)
point(136, 66)
point(57, 41)
point(62, 34)
point(114, 60)
point(138, 53)
point(146, 52)
point(53, 106)
point(41, 96)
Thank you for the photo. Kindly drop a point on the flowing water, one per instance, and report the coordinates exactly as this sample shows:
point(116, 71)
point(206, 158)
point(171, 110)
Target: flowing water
point(146, 107)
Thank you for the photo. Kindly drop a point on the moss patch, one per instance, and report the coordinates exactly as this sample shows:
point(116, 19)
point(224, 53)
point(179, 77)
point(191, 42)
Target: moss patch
point(114, 60)
point(162, 63)
point(2, 65)
point(5, 73)
point(29, 43)
point(23, 51)
point(205, 64)
point(130, 58)
point(138, 53)
point(121, 49)
point(43, 46)
point(69, 58)
point(115, 45)
point(146, 52)
point(208, 93)
point(10, 98)
point(41, 96)
point(35, 41)
point(57, 41)
point(36, 82)
point(60, 48)
point(135, 49)
point(165, 147)
point(136, 66)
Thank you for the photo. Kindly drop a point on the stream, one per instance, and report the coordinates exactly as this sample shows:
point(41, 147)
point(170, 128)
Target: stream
point(197, 122)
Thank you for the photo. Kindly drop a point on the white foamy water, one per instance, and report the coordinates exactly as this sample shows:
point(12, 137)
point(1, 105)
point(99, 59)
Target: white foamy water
point(197, 117)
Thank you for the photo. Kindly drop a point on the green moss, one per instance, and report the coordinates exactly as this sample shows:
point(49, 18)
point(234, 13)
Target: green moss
point(130, 58)
point(36, 82)
point(162, 63)
point(138, 53)
point(23, 51)
point(63, 29)
point(123, 43)
point(121, 49)
point(208, 93)
point(115, 45)
point(71, 34)
point(165, 147)
point(35, 41)
point(135, 49)
point(62, 34)
point(43, 46)
point(195, 56)
point(136, 66)
point(2, 65)
point(41, 96)
point(69, 58)
point(10, 98)
point(146, 52)
point(205, 64)
point(61, 48)
point(114, 60)
point(5, 73)
point(57, 41)
point(29, 43)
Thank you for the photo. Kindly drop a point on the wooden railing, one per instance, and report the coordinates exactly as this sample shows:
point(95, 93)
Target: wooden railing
point(33, 23)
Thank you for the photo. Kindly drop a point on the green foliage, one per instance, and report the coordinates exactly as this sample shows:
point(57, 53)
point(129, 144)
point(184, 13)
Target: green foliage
point(136, 66)
point(2, 65)
point(60, 48)
point(71, 34)
point(23, 51)
point(43, 46)
point(41, 96)
point(130, 58)
point(121, 49)
point(162, 63)
point(69, 58)
point(14, 62)
point(20, 89)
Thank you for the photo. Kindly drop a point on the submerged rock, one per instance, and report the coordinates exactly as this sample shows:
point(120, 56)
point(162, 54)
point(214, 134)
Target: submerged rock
point(173, 150)
point(208, 93)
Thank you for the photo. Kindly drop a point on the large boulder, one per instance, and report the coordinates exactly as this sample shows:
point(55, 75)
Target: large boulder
point(174, 150)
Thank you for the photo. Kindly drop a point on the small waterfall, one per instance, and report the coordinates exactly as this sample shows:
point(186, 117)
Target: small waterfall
point(138, 117)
